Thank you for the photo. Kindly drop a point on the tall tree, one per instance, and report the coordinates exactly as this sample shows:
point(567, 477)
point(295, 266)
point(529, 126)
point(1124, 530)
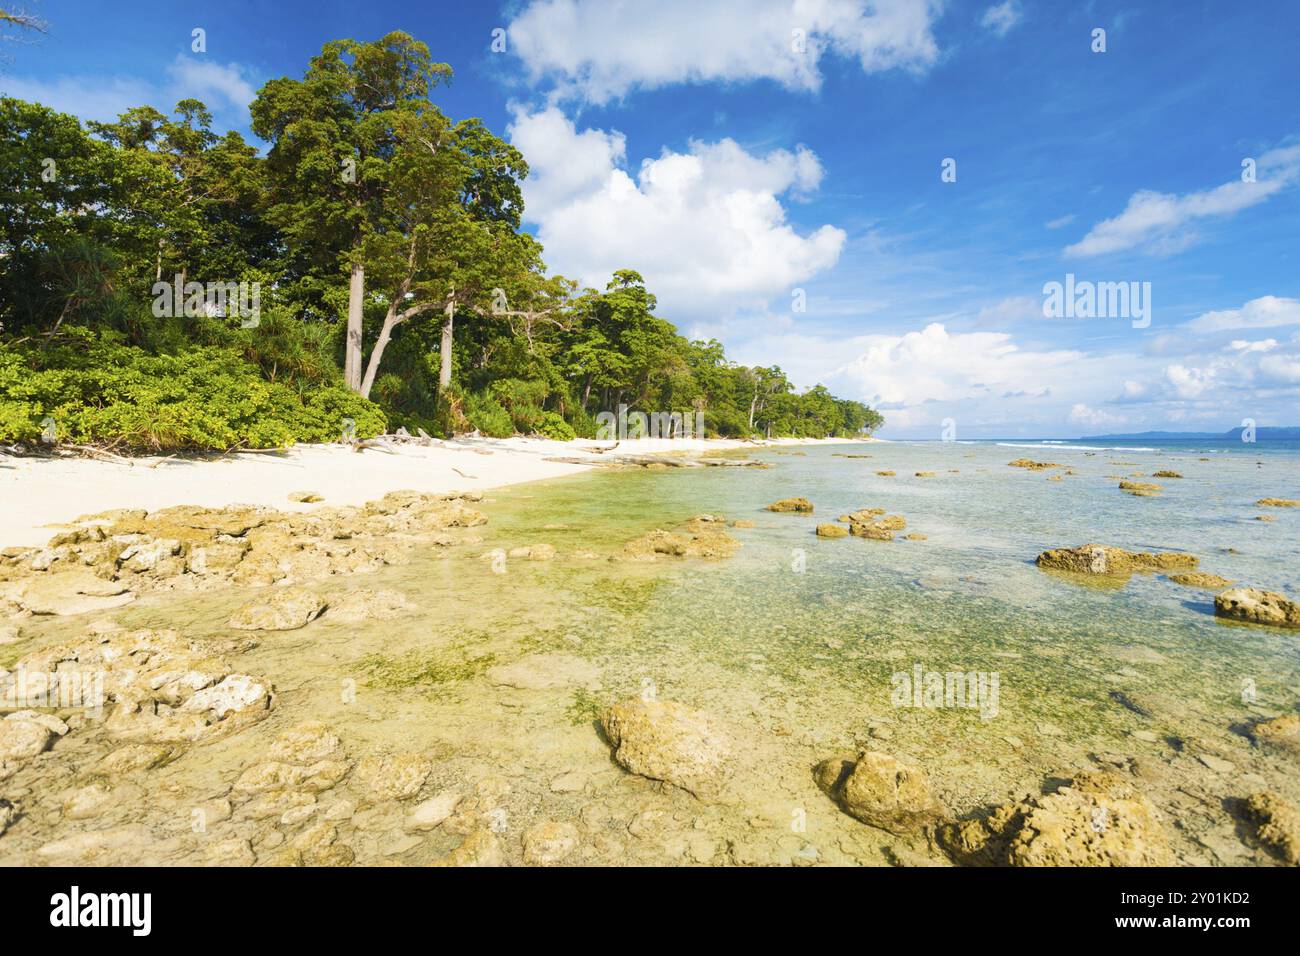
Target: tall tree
point(333, 136)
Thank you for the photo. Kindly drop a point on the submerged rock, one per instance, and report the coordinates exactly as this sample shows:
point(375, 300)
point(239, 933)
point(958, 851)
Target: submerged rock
point(549, 842)
point(1257, 607)
point(1100, 819)
point(546, 671)
point(156, 686)
point(1166, 474)
point(393, 776)
point(1101, 559)
point(432, 812)
point(708, 539)
point(797, 505)
point(75, 591)
point(1140, 488)
point(480, 848)
point(1031, 465)
point(1279, 733)
point(282, 609)
point(1200, 579)
point(365, 604)
point(879, 790)
point(668, 741)
point(21, 739)
point(1278, 503)
point(1277, 824)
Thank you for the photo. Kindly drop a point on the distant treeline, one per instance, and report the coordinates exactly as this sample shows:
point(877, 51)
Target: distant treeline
point(164, 286)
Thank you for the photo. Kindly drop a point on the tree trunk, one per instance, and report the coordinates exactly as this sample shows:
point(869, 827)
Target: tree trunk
point(444, 368)
point(377, 353)
point(352, 347)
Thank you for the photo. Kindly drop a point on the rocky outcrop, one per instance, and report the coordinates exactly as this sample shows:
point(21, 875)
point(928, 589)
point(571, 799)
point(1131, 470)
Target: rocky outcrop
point(105, 560)
point(832, 531)
point(1099, 819)
point(1141, 488)
point(1166, 474)
point(879, 790)
point(704, 536)
point(1200, 579)
point(1279, 734)
point(280, 609)
point(1101, 559)
point(1277, 824)
point(796, 505)
point(1278, 503)
point(155, 687)
point(668, 741)
point(1257, 607)
point(1030, 465)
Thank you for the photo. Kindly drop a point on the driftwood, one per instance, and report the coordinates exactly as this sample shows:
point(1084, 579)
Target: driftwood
point(363, 444)
point(463, 475)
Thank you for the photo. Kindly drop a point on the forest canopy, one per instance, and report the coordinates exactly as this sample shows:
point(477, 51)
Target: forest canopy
point(164, 286)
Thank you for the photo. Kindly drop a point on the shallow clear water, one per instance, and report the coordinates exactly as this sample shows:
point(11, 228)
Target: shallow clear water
point(795, 642)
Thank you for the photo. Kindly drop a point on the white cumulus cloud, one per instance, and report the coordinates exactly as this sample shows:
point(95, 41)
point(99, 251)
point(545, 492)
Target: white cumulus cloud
point(601, 49)
point(706, 227)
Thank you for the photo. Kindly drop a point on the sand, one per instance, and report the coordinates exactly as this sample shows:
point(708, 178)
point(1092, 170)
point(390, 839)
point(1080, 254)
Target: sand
point(39, 495)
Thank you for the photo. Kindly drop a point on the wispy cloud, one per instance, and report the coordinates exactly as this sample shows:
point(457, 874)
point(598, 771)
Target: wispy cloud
point(1164, 223)
point(1262, 313)
point(1002, 18)
point(226, 88)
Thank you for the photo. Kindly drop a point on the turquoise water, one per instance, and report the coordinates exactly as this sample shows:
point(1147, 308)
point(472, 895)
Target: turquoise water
point(808, 633)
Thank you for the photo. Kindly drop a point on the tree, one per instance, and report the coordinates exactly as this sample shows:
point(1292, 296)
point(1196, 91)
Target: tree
point(334, 135)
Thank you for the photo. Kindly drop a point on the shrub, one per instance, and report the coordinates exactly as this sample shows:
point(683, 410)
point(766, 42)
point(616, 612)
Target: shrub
point(488, 416)
point(554, 426)
point(100, 391)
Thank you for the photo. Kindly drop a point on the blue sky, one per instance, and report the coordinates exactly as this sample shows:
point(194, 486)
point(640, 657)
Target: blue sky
point(749, 156)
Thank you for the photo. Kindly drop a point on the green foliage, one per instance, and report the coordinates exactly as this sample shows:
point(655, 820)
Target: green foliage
point(486, 414)
point(102, 391)
point(552, 425)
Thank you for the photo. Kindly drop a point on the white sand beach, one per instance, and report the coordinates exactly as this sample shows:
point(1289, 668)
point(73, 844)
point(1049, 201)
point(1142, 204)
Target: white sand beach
point(41, 494)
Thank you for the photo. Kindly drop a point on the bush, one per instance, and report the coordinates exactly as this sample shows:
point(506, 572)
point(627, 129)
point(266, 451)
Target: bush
point(100, 391)
point(488, 416)
point(554, 426)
